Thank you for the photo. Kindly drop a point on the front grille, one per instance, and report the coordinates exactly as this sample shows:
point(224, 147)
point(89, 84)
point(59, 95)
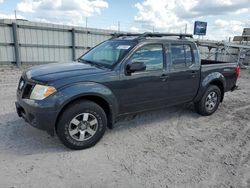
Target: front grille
point(25, 88)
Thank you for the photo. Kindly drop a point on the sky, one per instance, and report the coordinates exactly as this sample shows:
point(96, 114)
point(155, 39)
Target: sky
point(225, 18)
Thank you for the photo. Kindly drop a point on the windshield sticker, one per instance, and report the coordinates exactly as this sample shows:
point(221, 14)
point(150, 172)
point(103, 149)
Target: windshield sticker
point(123, 47)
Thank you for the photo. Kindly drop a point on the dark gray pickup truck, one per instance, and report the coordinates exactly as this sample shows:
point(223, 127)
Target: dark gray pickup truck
point(123, 75)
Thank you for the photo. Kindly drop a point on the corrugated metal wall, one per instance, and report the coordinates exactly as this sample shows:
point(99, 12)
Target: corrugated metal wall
point(45, 43)
point(6, 40)
point(24, 42)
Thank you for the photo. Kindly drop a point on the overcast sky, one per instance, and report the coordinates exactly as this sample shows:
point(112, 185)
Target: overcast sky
point(225, 18)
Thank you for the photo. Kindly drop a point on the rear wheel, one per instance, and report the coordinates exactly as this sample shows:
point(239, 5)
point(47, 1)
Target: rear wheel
point(209, 102)
point(81, 125)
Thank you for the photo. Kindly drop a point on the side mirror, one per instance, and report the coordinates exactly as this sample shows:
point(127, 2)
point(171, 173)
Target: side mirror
point(136, 67)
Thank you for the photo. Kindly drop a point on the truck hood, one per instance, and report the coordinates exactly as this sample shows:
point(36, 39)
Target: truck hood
point(56, 71)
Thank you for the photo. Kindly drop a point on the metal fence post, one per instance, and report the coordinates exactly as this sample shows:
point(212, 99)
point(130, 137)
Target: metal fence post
point(73, 32)
point(216, 54)
point(16, 44)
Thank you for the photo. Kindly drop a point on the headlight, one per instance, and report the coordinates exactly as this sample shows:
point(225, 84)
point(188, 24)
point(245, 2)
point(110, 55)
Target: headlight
point(40, 92)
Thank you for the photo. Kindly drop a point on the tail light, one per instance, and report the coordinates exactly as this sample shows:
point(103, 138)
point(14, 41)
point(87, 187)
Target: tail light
point(237, 71)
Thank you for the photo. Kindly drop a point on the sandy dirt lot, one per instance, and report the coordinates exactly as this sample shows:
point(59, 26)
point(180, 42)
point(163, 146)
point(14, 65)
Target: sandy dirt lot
point(174, 147)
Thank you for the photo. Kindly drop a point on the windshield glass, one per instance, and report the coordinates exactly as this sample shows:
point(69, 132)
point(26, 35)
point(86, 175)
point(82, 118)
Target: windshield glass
point(108, 53)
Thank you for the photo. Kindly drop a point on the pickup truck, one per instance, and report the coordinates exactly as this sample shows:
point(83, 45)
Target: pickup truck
point(126, 74)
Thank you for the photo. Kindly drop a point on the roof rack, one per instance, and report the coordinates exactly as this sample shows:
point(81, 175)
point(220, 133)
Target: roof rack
point(149, 34)
point(117, 35)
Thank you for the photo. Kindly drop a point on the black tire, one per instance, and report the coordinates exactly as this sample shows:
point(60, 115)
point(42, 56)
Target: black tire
point(78, 110)
point(204, 108)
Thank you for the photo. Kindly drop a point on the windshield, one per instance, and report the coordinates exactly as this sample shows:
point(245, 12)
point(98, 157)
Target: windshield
point(108, 53)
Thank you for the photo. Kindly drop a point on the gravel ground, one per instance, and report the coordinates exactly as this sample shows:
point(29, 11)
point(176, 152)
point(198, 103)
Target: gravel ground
point(174, 147)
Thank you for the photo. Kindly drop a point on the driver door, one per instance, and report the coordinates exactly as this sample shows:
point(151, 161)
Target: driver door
point(146, 89)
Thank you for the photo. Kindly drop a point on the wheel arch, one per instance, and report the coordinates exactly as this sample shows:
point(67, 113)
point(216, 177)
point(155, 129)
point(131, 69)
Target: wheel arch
point(101, 101)
point(214, 78)
point(221, 86)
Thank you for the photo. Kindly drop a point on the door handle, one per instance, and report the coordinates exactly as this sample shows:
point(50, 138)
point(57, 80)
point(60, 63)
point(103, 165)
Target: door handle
point(193, 73)
point(164, 77)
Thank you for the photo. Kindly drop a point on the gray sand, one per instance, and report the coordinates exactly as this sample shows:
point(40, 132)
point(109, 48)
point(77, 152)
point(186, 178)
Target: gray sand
point(174, 147)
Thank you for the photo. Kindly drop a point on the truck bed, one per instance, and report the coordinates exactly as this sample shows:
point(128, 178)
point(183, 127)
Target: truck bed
point(208, 62)
point(228, 70)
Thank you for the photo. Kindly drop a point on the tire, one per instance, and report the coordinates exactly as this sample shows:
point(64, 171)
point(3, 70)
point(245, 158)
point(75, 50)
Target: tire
point(209, 102)
point(81, 125)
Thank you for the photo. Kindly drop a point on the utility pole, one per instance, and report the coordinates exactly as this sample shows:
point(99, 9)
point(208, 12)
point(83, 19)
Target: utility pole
point(86, 22)
point(186, 29)
point(118, 26)
point(15, 14)
point(153, 29)
point(86, 27)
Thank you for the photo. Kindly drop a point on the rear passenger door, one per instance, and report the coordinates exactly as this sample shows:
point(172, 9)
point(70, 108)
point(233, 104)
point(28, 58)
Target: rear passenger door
point(184, 72)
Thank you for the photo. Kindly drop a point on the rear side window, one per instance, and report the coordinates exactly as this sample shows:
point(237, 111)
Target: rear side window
point(182, 56)
point(178, 56)
point(188, 55)
point(151, 55)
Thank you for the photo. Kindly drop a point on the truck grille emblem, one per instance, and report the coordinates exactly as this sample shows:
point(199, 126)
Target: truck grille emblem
point(21, 85)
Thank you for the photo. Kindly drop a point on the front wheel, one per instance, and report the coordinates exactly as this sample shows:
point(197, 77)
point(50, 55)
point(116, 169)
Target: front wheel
point(209, 102)
point(81, 125)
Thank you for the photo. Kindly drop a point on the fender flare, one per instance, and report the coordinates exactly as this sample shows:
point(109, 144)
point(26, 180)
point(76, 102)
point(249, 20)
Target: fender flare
point(75, 91)
point(215, 78)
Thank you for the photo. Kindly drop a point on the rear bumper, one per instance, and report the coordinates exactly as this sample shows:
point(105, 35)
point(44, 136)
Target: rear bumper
point(37, 114)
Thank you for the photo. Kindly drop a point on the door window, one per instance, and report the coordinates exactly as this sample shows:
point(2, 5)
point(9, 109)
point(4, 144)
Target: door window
point(182, 56)
point(151, 55)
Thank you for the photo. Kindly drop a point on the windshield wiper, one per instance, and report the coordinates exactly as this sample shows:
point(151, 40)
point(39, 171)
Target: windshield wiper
point(92, 63)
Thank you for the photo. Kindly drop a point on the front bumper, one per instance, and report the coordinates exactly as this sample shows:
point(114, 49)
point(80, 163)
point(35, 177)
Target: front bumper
point(39, 114)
